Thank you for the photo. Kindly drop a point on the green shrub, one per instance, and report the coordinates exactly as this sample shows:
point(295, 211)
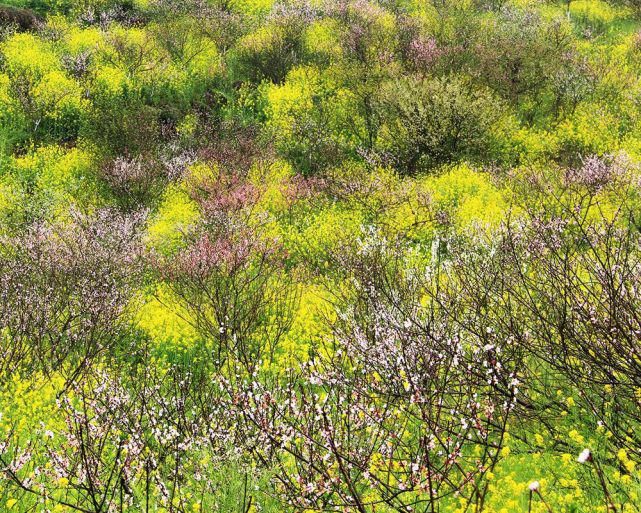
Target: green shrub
point(428, 123)
point(266, 54)
point(518, 53)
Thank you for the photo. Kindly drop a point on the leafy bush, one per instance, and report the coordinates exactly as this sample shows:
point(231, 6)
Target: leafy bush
point(428, 123)
point(518, 52)
point(21, 18)
point(271, 51)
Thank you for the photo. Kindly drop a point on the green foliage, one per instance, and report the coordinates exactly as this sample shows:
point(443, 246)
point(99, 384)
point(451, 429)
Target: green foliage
point(431, 123)
point(268, 53)
point(122, 125)
point(519, 53)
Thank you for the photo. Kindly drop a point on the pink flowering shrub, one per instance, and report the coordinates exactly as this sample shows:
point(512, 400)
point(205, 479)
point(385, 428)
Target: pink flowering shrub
point(597, 172)
point(229, 277)
point(64, 290)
